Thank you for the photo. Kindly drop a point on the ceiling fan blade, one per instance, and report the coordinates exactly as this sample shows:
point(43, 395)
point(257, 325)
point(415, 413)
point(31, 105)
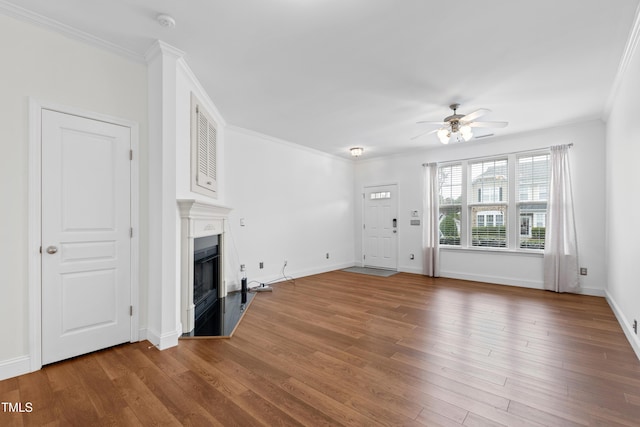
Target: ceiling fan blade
point(488, 124)
point(424, 133)
point(431, 123)
point(472, 116)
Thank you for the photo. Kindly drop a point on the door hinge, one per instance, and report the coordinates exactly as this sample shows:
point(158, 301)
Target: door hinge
point(40, 249)
point(131, 232)
point(364, 257)
point(130, 310)
point(364, 226)
point(130, 154)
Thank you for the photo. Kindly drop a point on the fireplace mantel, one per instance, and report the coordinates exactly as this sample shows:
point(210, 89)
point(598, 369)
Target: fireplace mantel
point(198, 219)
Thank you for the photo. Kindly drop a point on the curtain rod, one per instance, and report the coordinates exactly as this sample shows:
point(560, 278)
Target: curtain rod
point(503, 154)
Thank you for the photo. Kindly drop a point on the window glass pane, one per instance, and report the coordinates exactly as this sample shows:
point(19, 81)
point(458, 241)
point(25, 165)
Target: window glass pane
point(449, 225)
point(450, 184)
point(532, 223)
point(484, 231)
point(533, 178)
point(450, 190)
point(489, 181)
point(533, 190)
point(380, 195)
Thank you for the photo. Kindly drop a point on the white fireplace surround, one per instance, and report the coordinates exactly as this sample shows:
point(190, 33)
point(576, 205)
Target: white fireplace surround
point(198, 219)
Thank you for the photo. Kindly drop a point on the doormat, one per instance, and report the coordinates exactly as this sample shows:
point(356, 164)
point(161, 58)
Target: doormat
point(371, 271)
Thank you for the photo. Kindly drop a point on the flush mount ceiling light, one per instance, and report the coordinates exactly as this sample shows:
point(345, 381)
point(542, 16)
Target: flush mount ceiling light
point(166, 21)
point(457, 127)
point(356, 151)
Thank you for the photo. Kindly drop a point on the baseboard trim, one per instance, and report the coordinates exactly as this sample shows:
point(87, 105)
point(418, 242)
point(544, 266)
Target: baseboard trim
point(14, 367)
point(627, 328)
point(412, 270)
point(164, 341)
point(507, 281)
point(234, 286)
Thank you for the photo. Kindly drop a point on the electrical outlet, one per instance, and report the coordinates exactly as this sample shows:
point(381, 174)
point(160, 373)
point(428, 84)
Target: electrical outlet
point(635, 326)
point(261, 264)
point(327, 255)
point(242, 268)
point(411, 256)
point(583, 271)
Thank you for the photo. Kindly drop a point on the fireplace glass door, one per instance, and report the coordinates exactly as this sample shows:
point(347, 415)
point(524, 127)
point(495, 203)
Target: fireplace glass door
point(206, 274)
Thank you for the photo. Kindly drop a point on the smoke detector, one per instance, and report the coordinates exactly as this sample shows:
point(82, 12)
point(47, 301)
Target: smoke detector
point(166, 21)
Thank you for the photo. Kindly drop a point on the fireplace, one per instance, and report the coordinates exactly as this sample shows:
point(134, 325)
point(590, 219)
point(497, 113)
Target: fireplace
point(206, 275)
point(202, 283)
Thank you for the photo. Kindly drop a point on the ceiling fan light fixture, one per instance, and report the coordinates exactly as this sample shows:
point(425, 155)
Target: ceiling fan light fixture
point(356, 151)
point(444, 135)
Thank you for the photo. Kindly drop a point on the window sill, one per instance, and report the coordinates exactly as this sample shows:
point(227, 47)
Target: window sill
point(494, 251)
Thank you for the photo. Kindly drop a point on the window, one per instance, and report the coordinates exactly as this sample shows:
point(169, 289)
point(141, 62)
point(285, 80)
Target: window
point(489, 180)
point(450, 189)
point(204, 150)
point(495, 203)
point(533, 190)
point(381, 195)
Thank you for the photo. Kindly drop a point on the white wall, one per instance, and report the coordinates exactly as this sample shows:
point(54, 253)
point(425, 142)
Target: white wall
point(48, 66)
point(497, 267)
point(623, 201)
point(297, 205)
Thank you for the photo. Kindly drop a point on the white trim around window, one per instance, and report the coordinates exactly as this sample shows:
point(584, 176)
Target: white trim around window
point(488, 188)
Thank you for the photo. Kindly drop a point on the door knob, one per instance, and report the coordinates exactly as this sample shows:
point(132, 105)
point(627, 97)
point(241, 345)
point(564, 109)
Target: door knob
point(52, 250)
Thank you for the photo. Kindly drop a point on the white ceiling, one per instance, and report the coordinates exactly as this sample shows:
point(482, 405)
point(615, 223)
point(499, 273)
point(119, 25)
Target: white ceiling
point(332, 74)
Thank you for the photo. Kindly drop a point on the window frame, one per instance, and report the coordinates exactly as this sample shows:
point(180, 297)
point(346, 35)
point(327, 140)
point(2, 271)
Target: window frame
point(512, 204)
point(460, 225)
point(531, 200)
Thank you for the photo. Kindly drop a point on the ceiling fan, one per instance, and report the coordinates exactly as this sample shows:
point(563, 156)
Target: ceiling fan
point(457, 127)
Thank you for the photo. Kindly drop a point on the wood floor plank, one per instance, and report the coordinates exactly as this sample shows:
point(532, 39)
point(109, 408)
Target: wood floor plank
point(347, 349)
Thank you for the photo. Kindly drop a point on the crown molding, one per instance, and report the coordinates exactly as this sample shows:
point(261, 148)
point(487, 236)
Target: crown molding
point(256, 134)
point(22, 14)
point(629, 50)
point(159, 47)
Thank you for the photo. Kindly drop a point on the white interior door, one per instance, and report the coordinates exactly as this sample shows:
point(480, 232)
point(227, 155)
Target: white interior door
point(86, 246)
point(380, 227)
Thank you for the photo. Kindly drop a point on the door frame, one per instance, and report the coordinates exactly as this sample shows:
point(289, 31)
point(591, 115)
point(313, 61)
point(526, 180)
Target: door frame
point(34, 263)
point(362, 220)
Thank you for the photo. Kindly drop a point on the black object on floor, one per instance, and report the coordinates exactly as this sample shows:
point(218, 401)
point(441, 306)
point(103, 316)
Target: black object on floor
point(222, 317)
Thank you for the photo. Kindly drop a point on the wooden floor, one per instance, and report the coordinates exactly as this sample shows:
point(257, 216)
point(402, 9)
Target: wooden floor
point(348, 349)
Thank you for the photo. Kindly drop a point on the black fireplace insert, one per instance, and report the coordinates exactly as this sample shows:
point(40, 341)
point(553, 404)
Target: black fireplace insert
point(206, 274)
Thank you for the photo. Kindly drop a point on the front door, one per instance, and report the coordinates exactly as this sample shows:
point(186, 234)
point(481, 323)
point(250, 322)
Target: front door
point(380, 227)
point(86, 246)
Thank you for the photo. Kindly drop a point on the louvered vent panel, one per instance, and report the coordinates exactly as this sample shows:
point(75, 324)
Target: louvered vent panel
point(212, 154)
point(206, 146)
point(203, 144)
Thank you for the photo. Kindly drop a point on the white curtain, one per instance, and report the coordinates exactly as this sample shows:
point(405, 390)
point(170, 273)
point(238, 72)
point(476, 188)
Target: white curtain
point(560, 248)
point(430, 212)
